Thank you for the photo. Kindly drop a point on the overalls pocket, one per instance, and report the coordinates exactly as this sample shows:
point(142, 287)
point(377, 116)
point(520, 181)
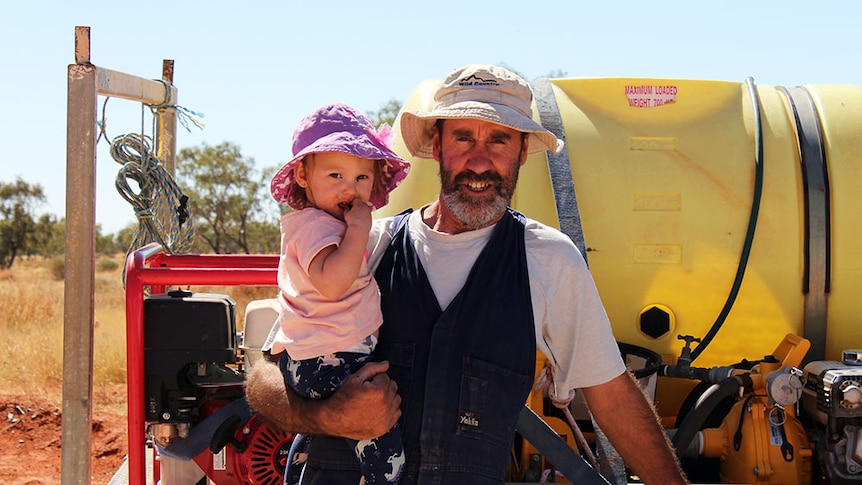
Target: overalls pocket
point(490, 399)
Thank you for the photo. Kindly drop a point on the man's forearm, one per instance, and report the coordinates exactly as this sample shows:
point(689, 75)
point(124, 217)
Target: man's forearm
point(268, 395)
point(366, 406)
point(625, 415)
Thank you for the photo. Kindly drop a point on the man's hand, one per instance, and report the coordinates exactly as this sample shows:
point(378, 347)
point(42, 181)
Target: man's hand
point(366, 406)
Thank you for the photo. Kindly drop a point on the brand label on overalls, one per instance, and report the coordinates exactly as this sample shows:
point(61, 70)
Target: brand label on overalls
point(468, 418)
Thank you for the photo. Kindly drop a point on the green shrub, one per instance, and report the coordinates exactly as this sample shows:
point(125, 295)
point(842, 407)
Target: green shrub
point(107, 265)
point(58, 267)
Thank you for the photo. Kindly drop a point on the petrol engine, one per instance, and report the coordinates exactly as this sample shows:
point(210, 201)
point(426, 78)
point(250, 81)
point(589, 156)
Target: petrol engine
point(832, 399)
point(196, 412)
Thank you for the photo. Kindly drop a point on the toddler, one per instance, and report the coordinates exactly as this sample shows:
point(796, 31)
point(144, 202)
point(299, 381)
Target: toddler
point(342, 169)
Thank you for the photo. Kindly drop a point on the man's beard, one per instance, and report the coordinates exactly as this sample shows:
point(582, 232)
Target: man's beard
point(476, 212)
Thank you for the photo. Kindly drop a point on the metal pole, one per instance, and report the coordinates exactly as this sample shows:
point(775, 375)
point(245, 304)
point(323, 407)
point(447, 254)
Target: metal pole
point(166, 122)
point(85, 83)
point(80, 264)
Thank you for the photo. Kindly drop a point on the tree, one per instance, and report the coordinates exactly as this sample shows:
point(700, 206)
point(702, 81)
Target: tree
point(108, 244)
point(226, 196)
point(552, 74)
point(555, 74)
point(123, 237)
point(386, 114)
point(18, 203)
point(48, 237)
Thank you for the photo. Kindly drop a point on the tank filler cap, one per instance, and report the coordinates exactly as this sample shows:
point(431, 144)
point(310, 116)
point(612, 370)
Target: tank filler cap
point(656, 321)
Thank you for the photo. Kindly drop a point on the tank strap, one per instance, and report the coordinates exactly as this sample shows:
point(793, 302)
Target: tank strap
point(558, 166)
point(817, 221)
point(610, 461)
point(546, 440)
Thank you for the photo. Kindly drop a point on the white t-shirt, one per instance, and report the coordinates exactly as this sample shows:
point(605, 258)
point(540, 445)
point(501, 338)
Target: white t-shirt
point(572, 327)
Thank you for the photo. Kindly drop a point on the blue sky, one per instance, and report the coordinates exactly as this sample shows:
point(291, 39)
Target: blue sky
point(255, 68)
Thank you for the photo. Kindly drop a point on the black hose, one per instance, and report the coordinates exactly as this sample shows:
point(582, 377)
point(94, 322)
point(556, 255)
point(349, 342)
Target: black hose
point(752, 223)
point(693, 421)
point(652, 359)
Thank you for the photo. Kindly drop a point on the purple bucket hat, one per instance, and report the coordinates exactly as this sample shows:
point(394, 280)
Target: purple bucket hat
point(339, 128)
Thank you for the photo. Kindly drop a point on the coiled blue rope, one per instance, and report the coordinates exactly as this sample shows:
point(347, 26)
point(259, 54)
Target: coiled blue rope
point(163, 211)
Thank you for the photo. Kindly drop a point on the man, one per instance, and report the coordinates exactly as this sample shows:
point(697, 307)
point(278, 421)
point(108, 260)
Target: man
point(470, 291)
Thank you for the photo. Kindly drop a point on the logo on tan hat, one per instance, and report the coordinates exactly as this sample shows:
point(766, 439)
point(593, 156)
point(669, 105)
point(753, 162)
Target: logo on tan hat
point(474, 80)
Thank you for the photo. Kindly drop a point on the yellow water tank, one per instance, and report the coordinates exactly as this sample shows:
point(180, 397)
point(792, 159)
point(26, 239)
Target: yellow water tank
point(664, 176)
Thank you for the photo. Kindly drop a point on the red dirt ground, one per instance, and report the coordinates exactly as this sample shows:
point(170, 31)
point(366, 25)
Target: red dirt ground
point(30, 432)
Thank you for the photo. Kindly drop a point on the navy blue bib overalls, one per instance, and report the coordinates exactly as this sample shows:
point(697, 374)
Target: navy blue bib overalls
point(463, 374)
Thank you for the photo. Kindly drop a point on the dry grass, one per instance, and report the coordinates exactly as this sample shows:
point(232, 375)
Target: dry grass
point(31, 326)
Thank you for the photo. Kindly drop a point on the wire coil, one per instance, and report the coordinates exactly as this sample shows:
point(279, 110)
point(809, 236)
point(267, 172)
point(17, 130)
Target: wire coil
point(161, 208)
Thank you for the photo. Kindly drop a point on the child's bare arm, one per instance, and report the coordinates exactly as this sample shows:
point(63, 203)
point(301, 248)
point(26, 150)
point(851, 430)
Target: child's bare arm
point(335, 268)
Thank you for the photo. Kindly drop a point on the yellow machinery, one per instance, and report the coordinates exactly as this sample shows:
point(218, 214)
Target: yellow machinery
point(722, 213)
point(761, 439)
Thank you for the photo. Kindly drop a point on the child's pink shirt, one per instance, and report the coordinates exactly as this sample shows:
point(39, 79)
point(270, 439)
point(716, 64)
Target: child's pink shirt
point(310, 324)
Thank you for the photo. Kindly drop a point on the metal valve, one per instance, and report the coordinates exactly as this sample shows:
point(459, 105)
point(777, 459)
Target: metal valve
point(784, 386)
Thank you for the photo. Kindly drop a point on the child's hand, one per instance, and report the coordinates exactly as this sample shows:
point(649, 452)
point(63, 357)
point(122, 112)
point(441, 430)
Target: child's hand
point(358, 214)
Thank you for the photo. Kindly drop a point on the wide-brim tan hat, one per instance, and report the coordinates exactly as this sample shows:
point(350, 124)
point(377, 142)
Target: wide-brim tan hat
point(482, 92)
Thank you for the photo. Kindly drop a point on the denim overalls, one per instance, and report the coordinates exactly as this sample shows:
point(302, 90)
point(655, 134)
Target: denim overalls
point(463, 374)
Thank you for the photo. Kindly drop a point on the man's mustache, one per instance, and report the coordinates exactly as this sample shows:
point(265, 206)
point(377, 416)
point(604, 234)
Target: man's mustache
point(469, 176)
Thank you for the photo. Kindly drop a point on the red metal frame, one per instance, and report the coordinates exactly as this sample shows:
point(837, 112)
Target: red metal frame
point(151, 266)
